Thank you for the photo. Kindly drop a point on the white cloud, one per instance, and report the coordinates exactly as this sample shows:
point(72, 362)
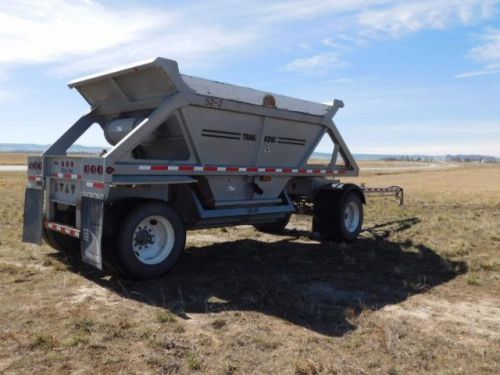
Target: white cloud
point(392, 19)
point(187, 47)
point(489, 51)
point(291, 11)
point(38, 32)
point(478, 73)
point(85, 35)
point(416, 15)
point(319, 64)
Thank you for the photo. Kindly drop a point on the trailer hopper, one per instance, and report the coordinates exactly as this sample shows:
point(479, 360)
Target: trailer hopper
point(185, 152)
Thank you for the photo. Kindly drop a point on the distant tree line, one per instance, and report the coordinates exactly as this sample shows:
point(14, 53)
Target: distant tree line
point(471, 159)
point(408, 158)
point(448, 158)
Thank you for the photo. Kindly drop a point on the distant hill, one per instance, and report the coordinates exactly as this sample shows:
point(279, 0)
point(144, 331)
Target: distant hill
point(30, 147)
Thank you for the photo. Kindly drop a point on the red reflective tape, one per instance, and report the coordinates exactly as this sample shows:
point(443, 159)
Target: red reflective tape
point(98, 185)
point(212, 168)
point(67, 175)
point(62, 229)
point(159, 168)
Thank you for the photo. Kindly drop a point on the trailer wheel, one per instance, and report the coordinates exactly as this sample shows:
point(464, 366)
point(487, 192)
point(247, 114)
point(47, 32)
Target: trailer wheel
point(151, 240)
point(343, 219)
point(274, 227)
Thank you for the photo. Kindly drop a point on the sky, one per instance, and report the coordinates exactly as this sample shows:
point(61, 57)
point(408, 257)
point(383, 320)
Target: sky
point(416, 76)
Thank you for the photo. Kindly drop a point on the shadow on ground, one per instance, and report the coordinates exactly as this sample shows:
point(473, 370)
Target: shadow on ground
point(314, 285)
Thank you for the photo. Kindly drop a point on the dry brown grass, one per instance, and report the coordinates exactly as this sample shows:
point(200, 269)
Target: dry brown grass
point(418, 293)
point(14, 158)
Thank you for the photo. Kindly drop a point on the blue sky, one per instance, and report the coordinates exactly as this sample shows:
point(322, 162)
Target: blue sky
point(416, 76)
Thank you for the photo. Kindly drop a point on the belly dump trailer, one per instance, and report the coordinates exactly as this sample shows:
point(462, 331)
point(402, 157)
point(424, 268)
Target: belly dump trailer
point(185, 153)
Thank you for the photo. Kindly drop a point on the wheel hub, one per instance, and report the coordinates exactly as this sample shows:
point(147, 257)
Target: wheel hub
point(153, 240)
point(144, 237)
point(351, 216)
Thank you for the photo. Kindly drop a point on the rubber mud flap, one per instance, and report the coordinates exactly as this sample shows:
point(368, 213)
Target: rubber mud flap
point(91, 231)
point(33, 216)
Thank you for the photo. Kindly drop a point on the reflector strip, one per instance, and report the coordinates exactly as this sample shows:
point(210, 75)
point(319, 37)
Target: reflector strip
point(95, 185)
point(64, 229)
point(212, 168)
point(35, 178)
point(67, 176)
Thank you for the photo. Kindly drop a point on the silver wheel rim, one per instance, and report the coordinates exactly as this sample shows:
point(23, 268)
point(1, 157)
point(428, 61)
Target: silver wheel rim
point(153, 240)
point(351, 216)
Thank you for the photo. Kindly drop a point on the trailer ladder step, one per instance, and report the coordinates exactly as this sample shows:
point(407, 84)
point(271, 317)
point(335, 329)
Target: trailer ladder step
point(64, 229)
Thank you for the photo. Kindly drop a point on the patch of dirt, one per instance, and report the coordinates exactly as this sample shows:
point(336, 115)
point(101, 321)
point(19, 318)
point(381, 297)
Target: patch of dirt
point(477, 321)
point(93, 293)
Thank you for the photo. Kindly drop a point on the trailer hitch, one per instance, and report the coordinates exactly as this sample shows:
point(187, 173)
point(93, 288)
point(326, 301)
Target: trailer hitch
point(396, 191)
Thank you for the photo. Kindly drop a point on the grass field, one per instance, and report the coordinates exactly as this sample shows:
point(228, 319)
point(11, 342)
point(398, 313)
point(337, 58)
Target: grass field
point(419, 292)
point(14, 158)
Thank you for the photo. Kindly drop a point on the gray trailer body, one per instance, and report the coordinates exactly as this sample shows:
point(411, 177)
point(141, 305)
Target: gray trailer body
point(219, 154)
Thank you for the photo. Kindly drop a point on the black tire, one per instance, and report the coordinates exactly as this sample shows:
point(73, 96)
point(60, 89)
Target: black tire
point(274, 227)
point(332, 218)
point(124, 254)
point(50, 240)
point(66, 245)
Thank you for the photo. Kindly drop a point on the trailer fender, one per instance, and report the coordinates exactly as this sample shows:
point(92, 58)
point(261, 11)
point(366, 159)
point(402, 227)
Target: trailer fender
point(329, 197)
point(347, 188)
point(91, 231)
point(33, 216)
